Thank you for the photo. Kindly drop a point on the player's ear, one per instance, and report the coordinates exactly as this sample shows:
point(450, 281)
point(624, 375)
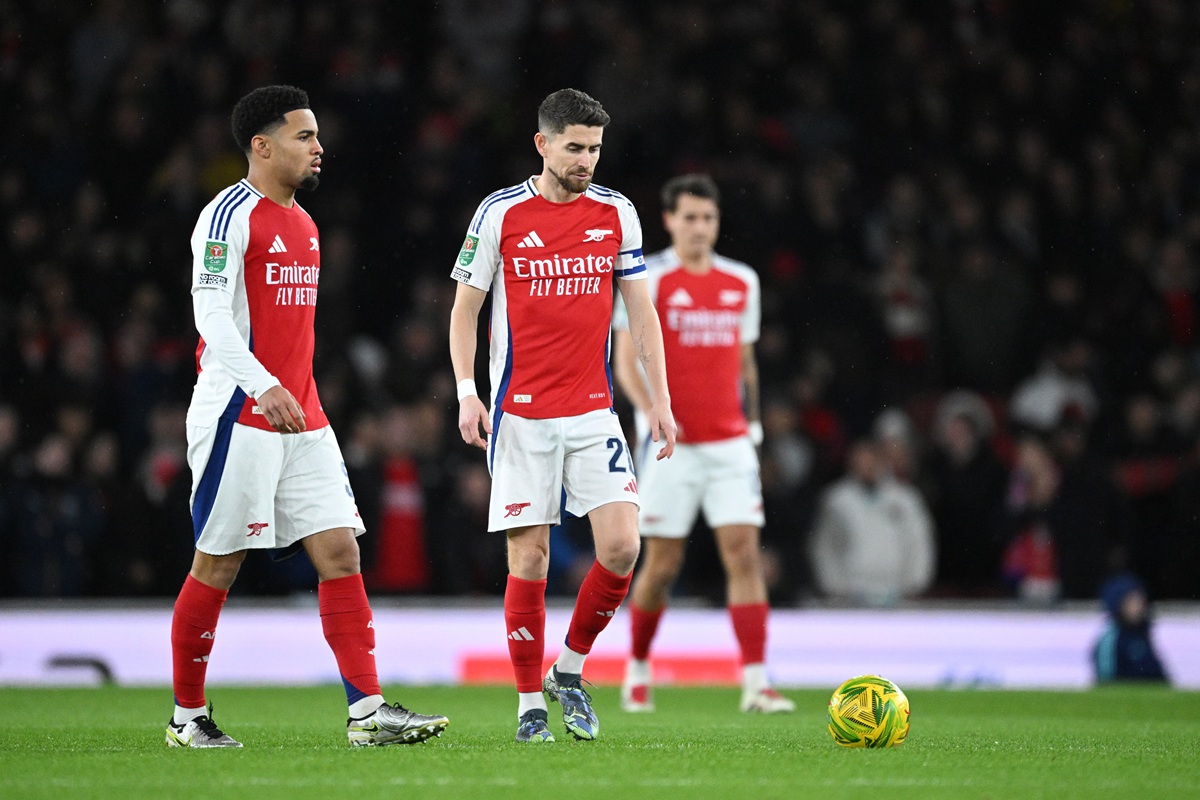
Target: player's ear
point(260, 146)
point(540, 141)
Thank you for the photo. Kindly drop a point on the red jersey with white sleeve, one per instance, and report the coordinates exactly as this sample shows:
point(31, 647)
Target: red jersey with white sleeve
point(255, 266)
point(550, 268)
point(706, 318)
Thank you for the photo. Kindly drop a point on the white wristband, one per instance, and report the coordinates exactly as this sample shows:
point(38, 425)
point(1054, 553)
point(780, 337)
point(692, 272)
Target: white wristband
point(466, 388)
point(756, 433)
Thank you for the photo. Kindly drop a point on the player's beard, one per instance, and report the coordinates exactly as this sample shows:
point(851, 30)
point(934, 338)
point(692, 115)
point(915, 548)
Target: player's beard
point(571, 183)
point(310, 182)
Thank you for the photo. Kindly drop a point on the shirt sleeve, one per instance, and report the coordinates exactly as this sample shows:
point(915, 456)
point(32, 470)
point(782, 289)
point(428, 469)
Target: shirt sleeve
point(479, 257)
point(752, 314)
point(216, 266)
point(630, 262)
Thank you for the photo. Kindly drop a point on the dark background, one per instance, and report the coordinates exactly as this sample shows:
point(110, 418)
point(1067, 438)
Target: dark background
point(938, 195)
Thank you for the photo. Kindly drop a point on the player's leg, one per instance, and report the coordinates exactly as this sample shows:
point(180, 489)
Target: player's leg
point(670, 493)
point(526, 461)
point(614, 531)
point(235, 470)
point(349, 629)
point(525, 620)
point(746, 597)
point(315, 507)
point(193, 631)
point(660, 565)
point(733, 508)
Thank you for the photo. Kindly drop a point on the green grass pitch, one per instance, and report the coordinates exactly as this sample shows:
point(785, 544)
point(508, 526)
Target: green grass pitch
point(1122, 742)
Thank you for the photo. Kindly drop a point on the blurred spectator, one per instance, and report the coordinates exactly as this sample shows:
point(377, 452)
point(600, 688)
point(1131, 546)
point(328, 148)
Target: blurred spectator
point(965, 483)
point(936, 201)
point(1067, 524)
point(1060, 388)
point(1125, 651)
point(56, 522)
point(873, 540)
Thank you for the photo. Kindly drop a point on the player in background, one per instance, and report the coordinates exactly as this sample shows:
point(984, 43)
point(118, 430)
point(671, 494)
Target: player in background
point(709, 308)
point(267, 471)
point(548, 249)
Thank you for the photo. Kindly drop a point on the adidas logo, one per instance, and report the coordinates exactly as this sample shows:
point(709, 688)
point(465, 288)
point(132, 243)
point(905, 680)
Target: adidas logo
point(277, 246)
point(208, 635)
point(680, 297)
point(521, 634)
point(201, 660)
point(605, 613)
point(631, 486)
point(532, 240)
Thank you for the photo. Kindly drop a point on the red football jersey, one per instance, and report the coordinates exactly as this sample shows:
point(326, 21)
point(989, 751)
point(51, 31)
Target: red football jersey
point(266, 260)
point(706, 318)
point(550, 268)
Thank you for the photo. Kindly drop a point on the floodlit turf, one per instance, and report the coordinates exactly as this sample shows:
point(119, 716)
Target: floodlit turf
point(1131, 742)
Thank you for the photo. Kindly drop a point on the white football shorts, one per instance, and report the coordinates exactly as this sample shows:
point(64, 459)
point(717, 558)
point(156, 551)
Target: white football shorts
point(254, 489)
point(540, 466)
point(720, 478)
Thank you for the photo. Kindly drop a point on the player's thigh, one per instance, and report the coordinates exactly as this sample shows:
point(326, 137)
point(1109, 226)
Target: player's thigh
point(314, 492)
point(597, 464)
point(733, 494)
point(670, 491)
point(525, 457)
point(235, 474)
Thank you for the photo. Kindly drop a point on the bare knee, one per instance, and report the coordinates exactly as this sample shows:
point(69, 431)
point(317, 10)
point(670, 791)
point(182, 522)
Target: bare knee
point(217, 571)
point(334, 553)
point(529, 552)
point(739, 548)
point(618, 554)
point(662, 561)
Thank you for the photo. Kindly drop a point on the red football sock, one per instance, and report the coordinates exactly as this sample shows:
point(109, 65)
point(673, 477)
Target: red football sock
point(643, 625)
point(599, 596)
point(350, 630)
point(193, 626)
point(525, 616)
point(750, 628)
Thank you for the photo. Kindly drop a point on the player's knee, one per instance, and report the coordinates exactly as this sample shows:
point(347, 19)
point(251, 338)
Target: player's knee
point(619, 556)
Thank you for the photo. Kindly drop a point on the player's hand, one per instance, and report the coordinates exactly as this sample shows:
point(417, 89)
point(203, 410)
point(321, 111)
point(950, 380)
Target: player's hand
point(472, 417)
point(663, 428)
point(281, 410)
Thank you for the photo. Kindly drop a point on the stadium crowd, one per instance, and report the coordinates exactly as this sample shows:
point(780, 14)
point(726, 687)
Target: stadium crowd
point(976, 225)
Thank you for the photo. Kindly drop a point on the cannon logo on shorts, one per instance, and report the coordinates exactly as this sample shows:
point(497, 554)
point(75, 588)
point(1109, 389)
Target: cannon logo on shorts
point(515, 509)
point(256, 528)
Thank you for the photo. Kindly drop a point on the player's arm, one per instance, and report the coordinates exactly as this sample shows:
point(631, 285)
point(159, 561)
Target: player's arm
point(627, 372)
point(213, 309)
point(464, 326)
point(751, 397)
point(645, 332)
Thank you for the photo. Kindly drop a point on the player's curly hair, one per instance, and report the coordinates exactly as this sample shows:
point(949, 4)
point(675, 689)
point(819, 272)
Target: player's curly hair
point(262, 111)
point(570, 107)
point(695, 184)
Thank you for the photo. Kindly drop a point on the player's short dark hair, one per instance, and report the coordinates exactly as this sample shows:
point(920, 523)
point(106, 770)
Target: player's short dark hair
point(262, 111)
point(695, 184)
point(570, 107)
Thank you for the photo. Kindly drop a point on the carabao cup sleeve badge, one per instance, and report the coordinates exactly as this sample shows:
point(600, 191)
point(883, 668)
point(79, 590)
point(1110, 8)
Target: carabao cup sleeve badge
point(467, 254)
point(215, 254)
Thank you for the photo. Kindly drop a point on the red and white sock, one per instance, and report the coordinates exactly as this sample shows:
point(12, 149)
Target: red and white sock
point(525, 618)
point(193, 628)
point(350, 631)
point(600, 596)
point(750, 630)
point(643, 625)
